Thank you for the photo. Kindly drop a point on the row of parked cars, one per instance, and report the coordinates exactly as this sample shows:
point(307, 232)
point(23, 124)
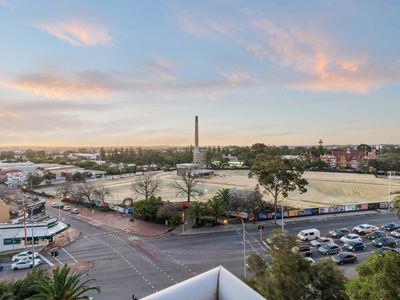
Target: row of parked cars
point(25, 260)
point(65, 207)
point(383, 238)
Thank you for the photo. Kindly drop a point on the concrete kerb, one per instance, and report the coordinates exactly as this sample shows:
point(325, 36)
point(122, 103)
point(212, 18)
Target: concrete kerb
point(234, 227)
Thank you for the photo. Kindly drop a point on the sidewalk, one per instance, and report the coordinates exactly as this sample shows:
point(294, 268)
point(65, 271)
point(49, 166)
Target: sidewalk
point(121, 221)
point(232, 227)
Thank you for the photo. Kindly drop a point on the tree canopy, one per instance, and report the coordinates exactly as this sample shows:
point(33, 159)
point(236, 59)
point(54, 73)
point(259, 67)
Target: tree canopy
point(278, 176)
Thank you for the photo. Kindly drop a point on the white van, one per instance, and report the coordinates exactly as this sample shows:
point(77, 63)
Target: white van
point(308, 234)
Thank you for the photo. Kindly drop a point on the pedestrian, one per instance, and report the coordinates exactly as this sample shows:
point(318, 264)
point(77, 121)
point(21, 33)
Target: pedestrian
point(55, 253)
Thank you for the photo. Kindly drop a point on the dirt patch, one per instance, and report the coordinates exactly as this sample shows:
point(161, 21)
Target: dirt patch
point(65, 238)
point(79, 267)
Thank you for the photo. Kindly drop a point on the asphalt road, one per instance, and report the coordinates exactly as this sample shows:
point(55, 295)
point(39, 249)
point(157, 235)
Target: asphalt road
point(125, 264)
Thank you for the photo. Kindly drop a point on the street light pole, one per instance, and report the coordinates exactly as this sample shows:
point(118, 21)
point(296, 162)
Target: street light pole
point(244, 249)
point(390, 190)
point(33, 242)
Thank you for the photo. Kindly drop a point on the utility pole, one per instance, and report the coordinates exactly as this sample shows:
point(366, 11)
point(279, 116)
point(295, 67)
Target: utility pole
point(244, 249)
point(33, 242)
point(390, 191)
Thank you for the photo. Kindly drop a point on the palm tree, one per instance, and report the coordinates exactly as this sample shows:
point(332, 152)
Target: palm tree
point(196, 211)
point(64, 286)
point(224, 194)
point(217, 208)
point(396, 202)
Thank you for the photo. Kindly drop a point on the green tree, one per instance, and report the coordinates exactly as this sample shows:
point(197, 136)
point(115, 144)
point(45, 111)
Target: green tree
point(396, 202)
point(146, 209)
point(197, 211)
point(278, 176)
point(64, 286)
point(217, 209)
point(378, 278)
point(224, 194)
point(285, 274)
point(34, 179)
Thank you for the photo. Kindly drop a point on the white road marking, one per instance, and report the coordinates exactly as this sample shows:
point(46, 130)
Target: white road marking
point(46, 260)
point(60, 262)
point(69, 254)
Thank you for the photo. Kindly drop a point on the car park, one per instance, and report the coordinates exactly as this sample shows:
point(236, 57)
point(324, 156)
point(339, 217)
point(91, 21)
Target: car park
point(396, 233)
point(355, 246)
point(381, 251)
point(66, 208)
point(350, 237)
point(375, 234)
point(319, 241)
point(25, 264)
point(339, 232)
point(24, 255)
point(74, 211)
point(387, 241)
point(390, 226)
point(344, 257)
point(329, 249)
point(364, 228)
point(308, 234)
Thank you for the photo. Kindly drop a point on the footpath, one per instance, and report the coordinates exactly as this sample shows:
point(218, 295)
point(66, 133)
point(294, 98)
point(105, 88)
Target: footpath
point(188, 230)
point(122, 221)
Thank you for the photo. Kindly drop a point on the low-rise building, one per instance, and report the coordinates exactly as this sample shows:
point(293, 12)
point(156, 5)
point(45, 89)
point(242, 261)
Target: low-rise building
point(18, 236)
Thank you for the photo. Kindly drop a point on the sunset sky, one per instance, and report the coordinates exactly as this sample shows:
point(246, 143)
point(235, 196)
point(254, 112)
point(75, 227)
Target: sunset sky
point(101, 73)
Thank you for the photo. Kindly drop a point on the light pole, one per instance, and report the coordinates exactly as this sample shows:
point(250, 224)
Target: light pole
point(244, 248)
point(33, 241)
point(390, 190)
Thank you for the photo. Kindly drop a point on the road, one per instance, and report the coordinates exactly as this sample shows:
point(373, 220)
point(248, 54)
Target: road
point(125, 264)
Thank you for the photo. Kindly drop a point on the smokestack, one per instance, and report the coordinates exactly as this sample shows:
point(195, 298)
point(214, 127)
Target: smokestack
point(196, 132)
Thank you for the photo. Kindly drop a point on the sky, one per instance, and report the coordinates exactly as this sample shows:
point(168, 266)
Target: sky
point(135, 73)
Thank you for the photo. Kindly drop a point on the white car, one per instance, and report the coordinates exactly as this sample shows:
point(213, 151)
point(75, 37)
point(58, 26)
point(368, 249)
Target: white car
point(320, 241)
point(310, 260)
point(66, 208)
point(351, 237)
point(24, 255)
point(365, 228)
point(25, 264)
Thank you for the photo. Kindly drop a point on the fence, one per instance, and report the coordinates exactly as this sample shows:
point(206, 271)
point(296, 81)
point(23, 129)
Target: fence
point(293, 213)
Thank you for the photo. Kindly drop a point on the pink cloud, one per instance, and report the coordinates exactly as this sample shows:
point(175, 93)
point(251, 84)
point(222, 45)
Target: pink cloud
point(53, 85)
point(77, 33)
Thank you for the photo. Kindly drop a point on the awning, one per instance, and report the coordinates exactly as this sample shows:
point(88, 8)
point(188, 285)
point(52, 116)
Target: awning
point(60, 227)
point(37, 232)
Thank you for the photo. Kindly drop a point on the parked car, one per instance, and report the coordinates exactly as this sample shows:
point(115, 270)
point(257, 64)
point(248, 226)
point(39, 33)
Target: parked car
point(355, 246)
point(350, 237)
point(364, 228)
point(308, 234)
point(74, 211)
point(381, 251)
point(339, 232)
point(66, 208)
point(57, 205)
point(329, 249)
point(375, 234)
point(303, 248)
point(1, 267)
point(310, 260)
point(24, 255)
point(345, 257)
point(319, 241)
point(396, 233)
point(387, 241)
point(390, 226)
point(25, 264)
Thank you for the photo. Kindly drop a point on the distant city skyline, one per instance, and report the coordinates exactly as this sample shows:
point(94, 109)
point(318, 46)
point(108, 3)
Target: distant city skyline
point(135, 73)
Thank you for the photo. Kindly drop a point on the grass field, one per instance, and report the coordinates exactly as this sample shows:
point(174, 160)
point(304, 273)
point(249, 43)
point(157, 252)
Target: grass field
point(324, 188)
